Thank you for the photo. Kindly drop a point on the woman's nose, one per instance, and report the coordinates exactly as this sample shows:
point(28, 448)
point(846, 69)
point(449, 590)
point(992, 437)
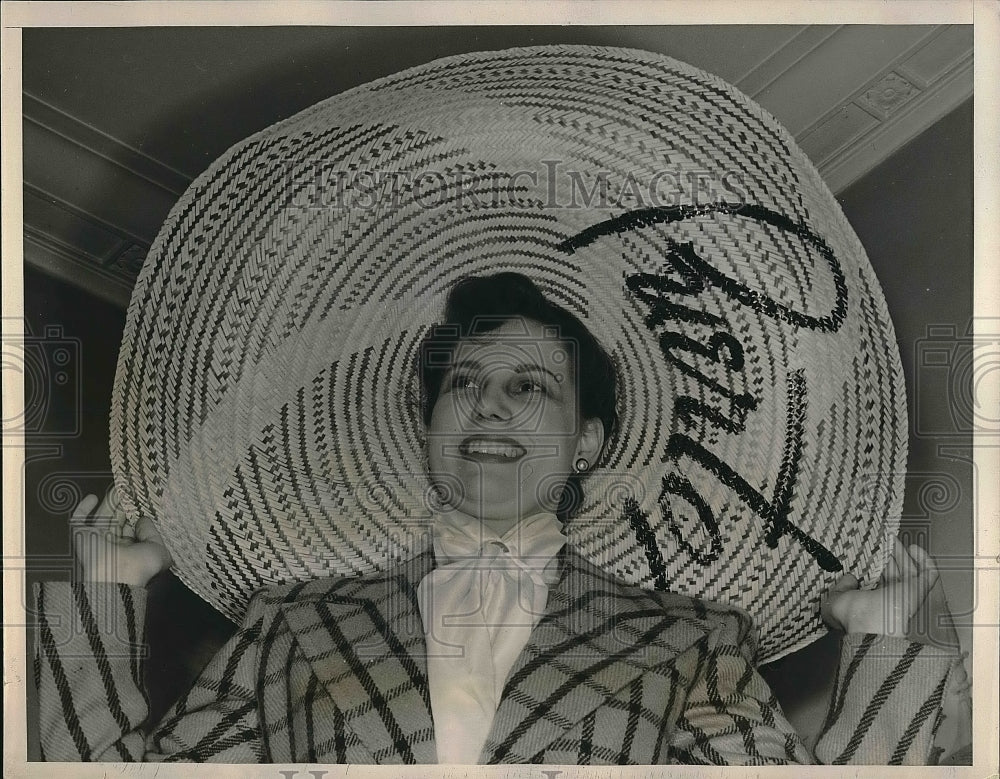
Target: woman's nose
point(493, 402)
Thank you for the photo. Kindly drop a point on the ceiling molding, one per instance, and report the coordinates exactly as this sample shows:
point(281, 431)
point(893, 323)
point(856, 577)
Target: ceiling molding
point(923, 85)
point(789, 55)
point(96, 187)
point(81, 134)
point(94, 203)
point(95, 237)
point(76, 246)
point(45, 253)
point(868, 150)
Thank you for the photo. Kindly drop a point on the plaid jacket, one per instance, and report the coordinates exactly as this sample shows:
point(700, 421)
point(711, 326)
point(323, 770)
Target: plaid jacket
point(333, 671)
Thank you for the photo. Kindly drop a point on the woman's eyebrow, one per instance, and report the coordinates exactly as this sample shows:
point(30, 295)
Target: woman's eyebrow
point(524, 367)
point(528, 367)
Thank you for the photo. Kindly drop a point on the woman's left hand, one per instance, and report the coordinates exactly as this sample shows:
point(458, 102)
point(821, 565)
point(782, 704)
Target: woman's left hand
point(109, 549)
point(906, 583)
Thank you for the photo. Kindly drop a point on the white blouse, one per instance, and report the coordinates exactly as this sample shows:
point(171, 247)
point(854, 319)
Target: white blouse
point(479, 606)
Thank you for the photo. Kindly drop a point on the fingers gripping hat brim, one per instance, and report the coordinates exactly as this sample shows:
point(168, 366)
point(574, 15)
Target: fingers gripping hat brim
point(266, 401)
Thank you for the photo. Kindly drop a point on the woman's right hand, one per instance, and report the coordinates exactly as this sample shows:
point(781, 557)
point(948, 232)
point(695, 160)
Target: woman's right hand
point(110, 549)
point(908, 603)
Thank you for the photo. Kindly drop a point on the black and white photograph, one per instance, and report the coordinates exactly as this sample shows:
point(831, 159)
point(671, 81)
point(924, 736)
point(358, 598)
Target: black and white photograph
point(473, 384)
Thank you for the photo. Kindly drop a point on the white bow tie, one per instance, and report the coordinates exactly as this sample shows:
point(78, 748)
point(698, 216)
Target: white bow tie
point(479, 607)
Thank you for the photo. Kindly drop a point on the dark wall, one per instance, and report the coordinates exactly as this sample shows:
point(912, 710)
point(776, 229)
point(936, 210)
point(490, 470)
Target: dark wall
point(69, 417)
point(913, 213)
point(70, 368)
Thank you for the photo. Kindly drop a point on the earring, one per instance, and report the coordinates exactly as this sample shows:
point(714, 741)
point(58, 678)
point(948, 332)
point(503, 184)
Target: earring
point(581, 464)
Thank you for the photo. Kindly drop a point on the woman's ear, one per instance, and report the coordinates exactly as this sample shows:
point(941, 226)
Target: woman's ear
point(591, 441)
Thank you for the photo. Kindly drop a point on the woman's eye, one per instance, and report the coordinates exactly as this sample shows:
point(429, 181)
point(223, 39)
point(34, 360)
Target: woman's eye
point(530, 386)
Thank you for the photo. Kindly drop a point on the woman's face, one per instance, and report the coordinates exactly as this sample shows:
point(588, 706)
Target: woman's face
point(506, 430)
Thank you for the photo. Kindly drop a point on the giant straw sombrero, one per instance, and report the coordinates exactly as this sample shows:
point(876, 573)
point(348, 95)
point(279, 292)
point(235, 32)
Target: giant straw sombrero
point(265, 405)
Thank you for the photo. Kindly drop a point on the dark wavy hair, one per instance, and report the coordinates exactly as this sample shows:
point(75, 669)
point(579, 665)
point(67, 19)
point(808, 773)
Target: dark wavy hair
point(480, 304)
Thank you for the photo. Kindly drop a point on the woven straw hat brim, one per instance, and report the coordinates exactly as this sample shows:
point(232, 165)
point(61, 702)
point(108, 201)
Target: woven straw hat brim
point(265, 410)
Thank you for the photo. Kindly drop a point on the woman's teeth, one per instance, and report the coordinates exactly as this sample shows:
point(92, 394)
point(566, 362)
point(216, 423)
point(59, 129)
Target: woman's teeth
point(500, 451)
point(493, 449)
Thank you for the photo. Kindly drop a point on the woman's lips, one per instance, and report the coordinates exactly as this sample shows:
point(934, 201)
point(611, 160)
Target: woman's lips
point(498, 449)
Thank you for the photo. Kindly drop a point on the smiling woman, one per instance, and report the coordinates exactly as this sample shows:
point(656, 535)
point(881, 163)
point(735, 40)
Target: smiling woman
point(519, 399)
point(516, 392)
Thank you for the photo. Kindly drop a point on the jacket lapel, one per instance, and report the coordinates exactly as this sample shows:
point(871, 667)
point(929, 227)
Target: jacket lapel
point(365, 643)
point(596, 637)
